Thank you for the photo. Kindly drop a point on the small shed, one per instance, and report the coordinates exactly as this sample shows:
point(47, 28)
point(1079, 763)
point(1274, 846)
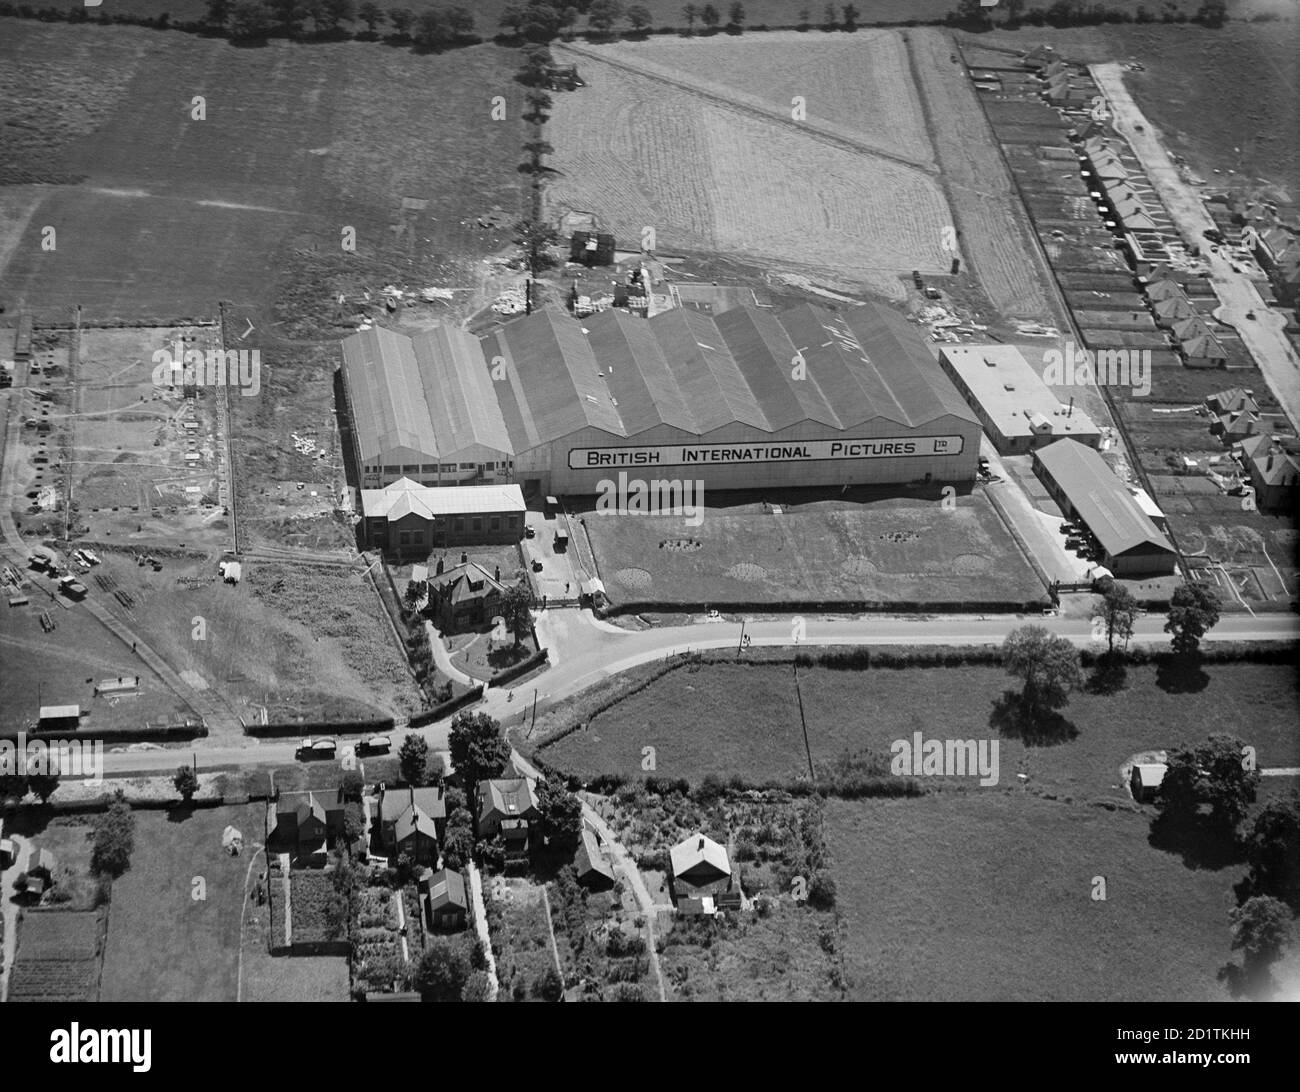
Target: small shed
point(1146, 779)
point(59, 718)
point(446, 903)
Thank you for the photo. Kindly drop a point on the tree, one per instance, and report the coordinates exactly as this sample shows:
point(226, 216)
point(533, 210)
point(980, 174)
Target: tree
point(288, 15)
point(430, 31)
point(218, 12)
point(690, 13)
point(401, 20)
point(736, 15)
point(1119, 610)
point(1015, 8)
point(561, 815)
point(1211, 13)
point(1261, 930)
point(537, 59)
point(516, 609)
point(249, 20)
point(540, 22)
point(186, 782)
point(1212, 775)
point(412, 759)
point(371, 14)
point(352, 785)
point(512, 17)
point(538, 103)
point(354, 824)
point(972, 13)
point(443, 971)
point(537, 148)
point(478, 988)
point(328, 14)
point(478, 749)
point(1048, 665)
point(458, 842)
point(548, 985)
point(638, 15)
point(851, 16)
point(1273, 850)
point(709, 16)
point(1193, 611)
point(603, 14)
point(828, 18)
point(535, 236)
point(114, 838)
point(461, 22)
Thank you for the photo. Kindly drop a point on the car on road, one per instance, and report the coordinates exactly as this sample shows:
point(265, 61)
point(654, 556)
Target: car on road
point(317, 748)
point(375, 745)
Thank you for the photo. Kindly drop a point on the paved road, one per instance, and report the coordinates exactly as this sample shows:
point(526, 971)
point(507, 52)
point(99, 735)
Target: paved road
point(585, 650)
point(1262, 335)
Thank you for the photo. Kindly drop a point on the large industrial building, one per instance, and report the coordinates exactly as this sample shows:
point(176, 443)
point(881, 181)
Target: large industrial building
point(743, 399)
point(423, 408)
point(1079, 480)
point(1018, 410)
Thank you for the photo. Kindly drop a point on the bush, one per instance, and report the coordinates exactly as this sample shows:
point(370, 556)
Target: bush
point(549, 986)
point(821, 892)
point(114, 838)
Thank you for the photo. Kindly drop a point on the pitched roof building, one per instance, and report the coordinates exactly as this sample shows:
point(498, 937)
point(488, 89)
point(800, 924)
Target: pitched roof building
point(1083, 485)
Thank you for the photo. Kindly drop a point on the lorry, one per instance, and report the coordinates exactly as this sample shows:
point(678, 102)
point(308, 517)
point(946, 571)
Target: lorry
point(317, 748)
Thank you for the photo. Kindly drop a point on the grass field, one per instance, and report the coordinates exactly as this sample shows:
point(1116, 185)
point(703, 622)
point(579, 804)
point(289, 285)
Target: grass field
point(163, 943)
point(714, 167)
point(160, 215)
point(61, 667)
point(886, 551)
point(989, 899)
point(744, 719)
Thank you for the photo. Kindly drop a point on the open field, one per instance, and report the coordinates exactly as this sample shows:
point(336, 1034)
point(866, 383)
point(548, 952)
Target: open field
point(716, 168)
point(953, 897)
point(164, 944)
point(992, 227)
point(887, 551)
point(62, 667)
point(753, 728)
point(160, 215)
point(129, 464)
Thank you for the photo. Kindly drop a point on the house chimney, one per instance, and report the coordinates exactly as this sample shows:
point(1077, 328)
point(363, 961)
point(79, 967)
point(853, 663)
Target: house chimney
point(701, 842)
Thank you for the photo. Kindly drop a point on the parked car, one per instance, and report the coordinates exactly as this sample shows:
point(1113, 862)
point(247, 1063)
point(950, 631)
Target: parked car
point(317, 748)
point(375, 745)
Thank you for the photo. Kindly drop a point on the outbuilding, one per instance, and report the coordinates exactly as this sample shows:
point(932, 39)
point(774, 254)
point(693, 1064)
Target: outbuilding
point(1086, 489)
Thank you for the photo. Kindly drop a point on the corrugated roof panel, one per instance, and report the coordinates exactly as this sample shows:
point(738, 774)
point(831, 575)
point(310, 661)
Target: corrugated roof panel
point(710, 382)
point(388, 404)
point(765, 355)
point(458, 388)
point(637, 372)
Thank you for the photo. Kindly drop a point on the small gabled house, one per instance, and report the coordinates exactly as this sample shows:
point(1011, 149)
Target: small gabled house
point(590, 862)
point(446, 902)
point(1145, 780)
point(464, 596)
point(306, 823)
point(700, 866)
point(1273, 463)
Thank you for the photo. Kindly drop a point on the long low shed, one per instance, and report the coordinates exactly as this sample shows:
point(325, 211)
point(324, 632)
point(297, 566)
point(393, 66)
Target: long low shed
point(1079, 480)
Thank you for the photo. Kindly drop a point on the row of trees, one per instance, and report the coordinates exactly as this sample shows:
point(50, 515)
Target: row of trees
point(1070, 13)
point(253, 19)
